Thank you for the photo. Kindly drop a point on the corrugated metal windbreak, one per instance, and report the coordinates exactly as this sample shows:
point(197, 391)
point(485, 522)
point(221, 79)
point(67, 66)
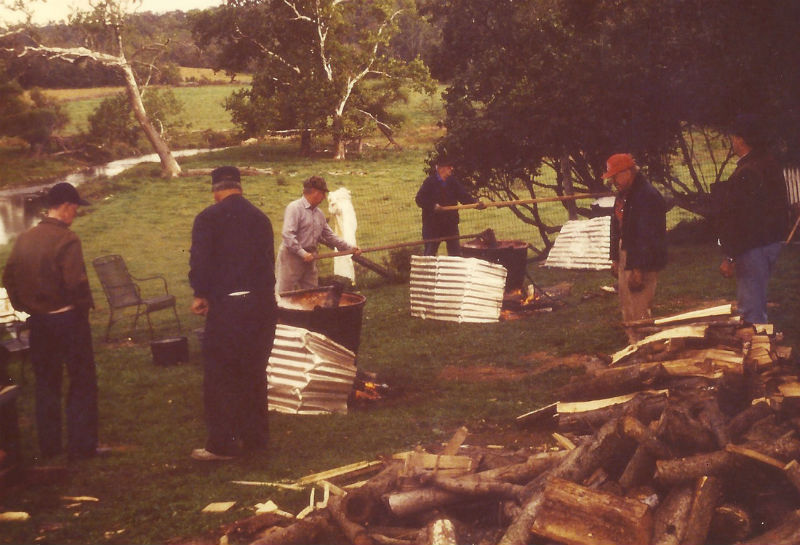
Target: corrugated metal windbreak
point(582, 244)
point(456, 289)
point(308, 373)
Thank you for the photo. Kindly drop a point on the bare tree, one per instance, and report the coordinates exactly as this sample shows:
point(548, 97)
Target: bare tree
point(104, 27)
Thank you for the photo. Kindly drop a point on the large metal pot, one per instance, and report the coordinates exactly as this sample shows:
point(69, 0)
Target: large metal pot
point(342, 323)
point(511, 254)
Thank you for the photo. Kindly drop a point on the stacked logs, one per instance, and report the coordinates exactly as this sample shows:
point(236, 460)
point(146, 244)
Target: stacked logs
point(688, 437)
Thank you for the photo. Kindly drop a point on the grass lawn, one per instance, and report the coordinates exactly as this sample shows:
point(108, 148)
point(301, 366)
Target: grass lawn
point(442, 375)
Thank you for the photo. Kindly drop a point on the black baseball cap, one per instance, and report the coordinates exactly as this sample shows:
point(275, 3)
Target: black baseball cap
point(64, 192)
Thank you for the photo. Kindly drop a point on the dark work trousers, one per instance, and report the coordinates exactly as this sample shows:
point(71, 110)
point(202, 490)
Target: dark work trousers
point(237, 342)
point(453, 245)
point(58, 340)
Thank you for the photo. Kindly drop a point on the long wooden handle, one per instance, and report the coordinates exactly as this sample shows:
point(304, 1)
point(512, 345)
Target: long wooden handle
point(397, 245)
point(791, 235)
point(497, 204)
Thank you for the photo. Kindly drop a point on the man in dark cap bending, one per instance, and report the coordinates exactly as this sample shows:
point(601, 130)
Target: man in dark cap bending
point(46, 277)
point(232, 273)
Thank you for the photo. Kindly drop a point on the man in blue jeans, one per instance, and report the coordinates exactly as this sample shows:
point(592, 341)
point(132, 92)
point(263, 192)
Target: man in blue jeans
point(751, 212)
point(46, 277)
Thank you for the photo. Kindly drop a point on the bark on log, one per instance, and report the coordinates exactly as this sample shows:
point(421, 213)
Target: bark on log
point(577, 515)
point(362, 503)
point(786, 533)
point(639, 469)
point(301, 532)
point(731, 523)
point(669, 472)
point(631, 427)
point(475, 487)
point(712, 418)
point(403, 504)
point(739, 424)
point(707, 495)
point(354, 532)
point(792, 471)
point(678, 428)
point(671, 516)
point(611, 382)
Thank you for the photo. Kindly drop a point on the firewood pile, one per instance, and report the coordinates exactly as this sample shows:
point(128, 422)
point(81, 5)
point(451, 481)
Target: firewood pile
point(687, 437)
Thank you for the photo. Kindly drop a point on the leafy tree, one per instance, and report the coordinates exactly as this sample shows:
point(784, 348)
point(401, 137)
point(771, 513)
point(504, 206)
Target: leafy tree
point(311, 59)
point(32, 118)
point(113, 121)
point(565, 83)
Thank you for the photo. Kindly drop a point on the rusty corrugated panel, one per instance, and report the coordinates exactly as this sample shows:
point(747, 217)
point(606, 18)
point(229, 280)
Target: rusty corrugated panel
point(456, 289)
point(308, 373)
point(582, 244)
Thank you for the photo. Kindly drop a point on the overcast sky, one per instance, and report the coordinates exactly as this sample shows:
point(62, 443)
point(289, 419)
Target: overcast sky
point(58, 10)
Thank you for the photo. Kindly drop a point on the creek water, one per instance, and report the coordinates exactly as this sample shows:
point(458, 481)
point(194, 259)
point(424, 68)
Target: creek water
point(20, 207)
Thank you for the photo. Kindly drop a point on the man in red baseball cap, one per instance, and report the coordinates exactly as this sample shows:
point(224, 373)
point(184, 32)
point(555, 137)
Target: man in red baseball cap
point(638, 238)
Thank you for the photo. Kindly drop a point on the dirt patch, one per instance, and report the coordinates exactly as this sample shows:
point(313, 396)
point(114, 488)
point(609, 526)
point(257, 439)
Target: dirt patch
point(540, 362)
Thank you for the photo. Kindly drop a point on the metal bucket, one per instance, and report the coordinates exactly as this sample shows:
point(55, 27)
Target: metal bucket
point(511, 254)
point(171, 351)
point(342, 324)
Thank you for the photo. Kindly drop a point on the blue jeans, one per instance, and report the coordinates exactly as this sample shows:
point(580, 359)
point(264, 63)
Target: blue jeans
point(58, 340)
point(753, 269)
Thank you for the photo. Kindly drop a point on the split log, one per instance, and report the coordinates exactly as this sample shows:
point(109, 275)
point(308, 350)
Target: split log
point(534, 466)
point(707, 495)
point(354, 532)
point(730, 524)
point(792, 471)
point(671, 516)
point(441, 531)
point(645, 407)
point(577, 515)
point(309, 530)
point(612, 382)
point(783, 534)
point(576, 466)
point(361, 504)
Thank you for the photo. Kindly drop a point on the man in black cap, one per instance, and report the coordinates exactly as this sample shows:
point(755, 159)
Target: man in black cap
point(46, 277)
point(304, 227)
point(751, 213)
point(232, 273)
point(437, 190)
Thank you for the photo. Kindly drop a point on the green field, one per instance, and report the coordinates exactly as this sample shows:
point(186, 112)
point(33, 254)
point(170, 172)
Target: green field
point(150, 491)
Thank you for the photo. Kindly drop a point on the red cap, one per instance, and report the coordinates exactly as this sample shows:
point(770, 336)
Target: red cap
point(617, 163)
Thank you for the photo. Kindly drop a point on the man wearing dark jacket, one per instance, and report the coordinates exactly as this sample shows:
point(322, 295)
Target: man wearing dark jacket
point(441, 189)
point(638, 238)
point(751, 216)
point(232, 273)
point(46, 277)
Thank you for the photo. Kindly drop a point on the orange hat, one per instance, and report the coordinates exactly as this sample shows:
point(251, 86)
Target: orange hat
point(617, 163)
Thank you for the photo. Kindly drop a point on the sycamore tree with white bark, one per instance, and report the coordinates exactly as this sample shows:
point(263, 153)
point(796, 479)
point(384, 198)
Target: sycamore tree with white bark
point(319, 65)
point(105, 42)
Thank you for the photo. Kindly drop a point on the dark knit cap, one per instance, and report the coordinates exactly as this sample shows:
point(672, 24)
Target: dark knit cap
point(225, 177)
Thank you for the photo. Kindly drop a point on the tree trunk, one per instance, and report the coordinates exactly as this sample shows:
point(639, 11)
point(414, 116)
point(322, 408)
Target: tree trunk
point(339, 151)
point(305, 143)
point(169, 166)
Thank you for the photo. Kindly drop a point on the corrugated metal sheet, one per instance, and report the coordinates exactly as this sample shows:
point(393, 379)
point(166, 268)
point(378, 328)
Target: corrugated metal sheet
point(456, 289)
point(582, 244)
point(308, 373)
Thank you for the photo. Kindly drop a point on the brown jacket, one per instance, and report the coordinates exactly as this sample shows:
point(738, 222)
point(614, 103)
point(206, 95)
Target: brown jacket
point(46, 272)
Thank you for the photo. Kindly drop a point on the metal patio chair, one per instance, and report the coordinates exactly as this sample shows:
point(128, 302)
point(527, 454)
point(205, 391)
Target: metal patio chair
point(122, 292)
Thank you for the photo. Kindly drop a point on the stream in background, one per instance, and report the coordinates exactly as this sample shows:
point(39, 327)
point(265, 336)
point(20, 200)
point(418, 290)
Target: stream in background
point(20, 207)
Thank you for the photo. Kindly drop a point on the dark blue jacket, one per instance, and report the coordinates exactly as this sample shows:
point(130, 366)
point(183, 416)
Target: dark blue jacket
point(444, 193)
point(750, 209)
point(232, 250)
point(644, 227)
